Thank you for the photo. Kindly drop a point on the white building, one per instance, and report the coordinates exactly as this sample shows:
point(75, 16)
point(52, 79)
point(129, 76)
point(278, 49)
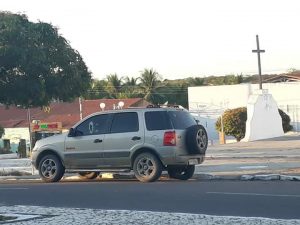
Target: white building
point(210, 101)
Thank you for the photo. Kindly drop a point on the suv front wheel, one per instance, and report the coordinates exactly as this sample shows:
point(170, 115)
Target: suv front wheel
point(51, 168)
point(181, 172)
point(147, 167)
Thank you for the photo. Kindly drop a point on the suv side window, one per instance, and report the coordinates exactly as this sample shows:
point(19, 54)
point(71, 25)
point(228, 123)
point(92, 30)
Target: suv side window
point(93, 126)
point(124, 122)
point(157, 120)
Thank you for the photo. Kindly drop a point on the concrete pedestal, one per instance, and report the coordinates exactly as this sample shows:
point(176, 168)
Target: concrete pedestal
point(263, 119)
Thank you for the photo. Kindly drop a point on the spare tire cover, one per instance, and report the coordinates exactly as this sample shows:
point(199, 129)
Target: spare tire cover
point(196, 139)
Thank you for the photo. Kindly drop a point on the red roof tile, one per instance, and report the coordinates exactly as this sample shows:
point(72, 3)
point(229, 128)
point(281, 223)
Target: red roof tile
point(67, 113)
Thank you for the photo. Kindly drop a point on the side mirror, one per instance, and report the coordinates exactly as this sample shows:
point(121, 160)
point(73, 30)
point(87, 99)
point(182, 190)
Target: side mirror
point(71, 132)
point(197, 121)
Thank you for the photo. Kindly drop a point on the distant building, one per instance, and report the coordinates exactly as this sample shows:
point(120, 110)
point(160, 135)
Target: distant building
point(290, 77)
point(16, 124)
point(209, 102)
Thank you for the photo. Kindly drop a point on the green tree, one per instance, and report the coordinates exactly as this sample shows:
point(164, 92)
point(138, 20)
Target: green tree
point(37, 64)
point(234, 122)
point(195, 81)
point(114, 85)
point(150, 82)
point(97, 90)
point(130, 88)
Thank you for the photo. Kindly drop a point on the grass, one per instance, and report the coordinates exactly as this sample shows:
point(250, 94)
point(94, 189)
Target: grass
point(5, 218)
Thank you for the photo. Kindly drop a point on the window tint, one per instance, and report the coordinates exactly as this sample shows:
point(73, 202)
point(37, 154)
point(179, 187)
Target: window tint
point(181, 119)
point(93, 126)
point(157, 120)
point(125, 122)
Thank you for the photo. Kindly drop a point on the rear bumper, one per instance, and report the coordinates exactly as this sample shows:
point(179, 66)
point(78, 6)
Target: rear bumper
point(184, 160)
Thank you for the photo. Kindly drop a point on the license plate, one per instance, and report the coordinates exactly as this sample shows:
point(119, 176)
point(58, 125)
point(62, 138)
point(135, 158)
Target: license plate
point(193, 161)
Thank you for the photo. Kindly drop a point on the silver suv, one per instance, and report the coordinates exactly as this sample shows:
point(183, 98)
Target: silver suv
point(147, 141)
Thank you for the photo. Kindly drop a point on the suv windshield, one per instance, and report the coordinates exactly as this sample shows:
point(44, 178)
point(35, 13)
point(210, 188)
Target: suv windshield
point(181, 119)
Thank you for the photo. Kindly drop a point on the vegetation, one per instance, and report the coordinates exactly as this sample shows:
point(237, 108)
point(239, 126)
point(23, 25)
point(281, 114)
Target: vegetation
point(285, 121)
point(151, 86)
point(234, 122)
point(37, 64)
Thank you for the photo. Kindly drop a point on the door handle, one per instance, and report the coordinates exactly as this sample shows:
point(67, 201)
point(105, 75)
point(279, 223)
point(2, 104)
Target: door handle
point(135, 138)
point(97, 141)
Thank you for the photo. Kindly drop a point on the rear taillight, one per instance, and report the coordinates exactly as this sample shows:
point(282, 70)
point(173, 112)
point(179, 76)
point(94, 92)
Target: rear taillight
point(170, 138)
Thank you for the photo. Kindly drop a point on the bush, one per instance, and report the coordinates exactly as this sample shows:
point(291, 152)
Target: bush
point(285, 121)
point(234, 122)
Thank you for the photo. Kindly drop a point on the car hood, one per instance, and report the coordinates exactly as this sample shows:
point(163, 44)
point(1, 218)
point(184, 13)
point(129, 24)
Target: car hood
point(52, 140)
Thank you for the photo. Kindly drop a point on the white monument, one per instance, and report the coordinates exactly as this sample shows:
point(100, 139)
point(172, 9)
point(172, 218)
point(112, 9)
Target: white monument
point(263, 118)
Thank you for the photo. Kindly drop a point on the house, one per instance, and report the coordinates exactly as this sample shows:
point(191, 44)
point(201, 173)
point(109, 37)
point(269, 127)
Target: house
point(289, 77)
point(16, 123)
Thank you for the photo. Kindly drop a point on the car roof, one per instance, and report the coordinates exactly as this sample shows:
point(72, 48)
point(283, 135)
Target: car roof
point(132, 109)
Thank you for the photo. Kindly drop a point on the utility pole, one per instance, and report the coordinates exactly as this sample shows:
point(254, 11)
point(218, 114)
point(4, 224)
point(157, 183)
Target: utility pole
point(80, 108)
point(258, 51)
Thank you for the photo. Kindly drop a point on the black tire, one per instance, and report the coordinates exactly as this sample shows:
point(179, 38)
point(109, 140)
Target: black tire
point(196, 139)
point(51, 168)
point(147, 167)
point(88, 175)
point(181, 172)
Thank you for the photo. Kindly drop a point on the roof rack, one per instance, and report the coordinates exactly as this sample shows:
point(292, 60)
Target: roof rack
point(164, 106)
point(153, 106)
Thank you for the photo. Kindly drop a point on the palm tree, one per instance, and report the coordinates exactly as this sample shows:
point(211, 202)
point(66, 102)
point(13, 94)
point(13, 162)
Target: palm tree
point(150, 81)
point(97, 90)
point(130, 81)
point(130, 88)
point(114, 85)
point(196, 81)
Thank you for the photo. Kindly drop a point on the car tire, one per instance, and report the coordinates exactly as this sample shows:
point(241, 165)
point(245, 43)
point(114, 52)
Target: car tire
point(147, 167)
point(181, 172)
point(88, 175)
point(196, 139)
point(51, 168)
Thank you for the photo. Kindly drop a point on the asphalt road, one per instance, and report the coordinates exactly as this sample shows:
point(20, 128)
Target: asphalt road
point(230, 198)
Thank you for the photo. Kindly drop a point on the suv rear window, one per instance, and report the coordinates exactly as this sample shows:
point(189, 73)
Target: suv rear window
point(181, 119)
point(157, 120)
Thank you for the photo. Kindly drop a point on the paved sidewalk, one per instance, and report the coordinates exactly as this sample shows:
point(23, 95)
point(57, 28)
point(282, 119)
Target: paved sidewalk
point(51, 215)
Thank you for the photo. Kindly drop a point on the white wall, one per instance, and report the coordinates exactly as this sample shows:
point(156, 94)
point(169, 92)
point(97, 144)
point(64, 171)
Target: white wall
point(211, 101)
point(15, 134)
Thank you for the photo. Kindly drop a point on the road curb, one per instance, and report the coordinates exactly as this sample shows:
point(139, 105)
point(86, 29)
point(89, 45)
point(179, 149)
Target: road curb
point(197, 176)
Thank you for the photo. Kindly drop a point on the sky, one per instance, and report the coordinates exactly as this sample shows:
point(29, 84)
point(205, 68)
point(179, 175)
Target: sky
point(177, 38)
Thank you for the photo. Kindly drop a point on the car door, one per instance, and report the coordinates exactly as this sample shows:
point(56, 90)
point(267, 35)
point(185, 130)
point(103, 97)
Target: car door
point(84, 149)
point(125, 134)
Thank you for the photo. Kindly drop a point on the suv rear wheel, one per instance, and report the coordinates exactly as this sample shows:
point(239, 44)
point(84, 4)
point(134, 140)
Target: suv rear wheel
point(51, 168)
point(181, 172)
point(147, 167)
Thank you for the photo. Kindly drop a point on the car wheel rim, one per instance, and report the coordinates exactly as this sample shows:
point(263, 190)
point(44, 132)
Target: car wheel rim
point(145, 167)
point(201, 139)
point(49, 168)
